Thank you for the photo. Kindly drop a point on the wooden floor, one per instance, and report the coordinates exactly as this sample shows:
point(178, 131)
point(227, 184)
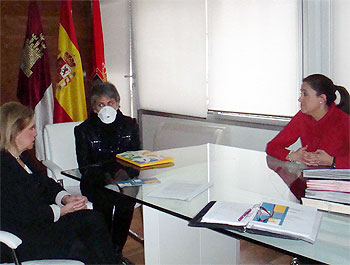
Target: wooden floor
point(250, 253)
point(133, 250)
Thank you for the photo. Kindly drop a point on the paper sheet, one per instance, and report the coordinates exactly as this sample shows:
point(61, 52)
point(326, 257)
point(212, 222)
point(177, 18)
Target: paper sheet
point(224, 212)
point(184, 191)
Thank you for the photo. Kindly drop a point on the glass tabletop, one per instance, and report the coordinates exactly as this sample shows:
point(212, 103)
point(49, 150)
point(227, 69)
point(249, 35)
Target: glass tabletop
point(229, 174)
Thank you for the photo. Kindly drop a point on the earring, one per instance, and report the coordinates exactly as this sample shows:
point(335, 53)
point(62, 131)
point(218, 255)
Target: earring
point(320, 102)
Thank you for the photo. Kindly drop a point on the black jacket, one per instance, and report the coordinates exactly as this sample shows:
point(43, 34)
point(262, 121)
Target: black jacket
point(26, 212)
point(25, 198)
point(97, 142)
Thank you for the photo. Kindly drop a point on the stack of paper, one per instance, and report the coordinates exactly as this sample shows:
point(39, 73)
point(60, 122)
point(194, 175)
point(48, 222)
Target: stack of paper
point(328, 189)
point(327, 173)
point(328, 185)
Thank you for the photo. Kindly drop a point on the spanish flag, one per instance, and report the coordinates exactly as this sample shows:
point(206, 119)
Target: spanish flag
point(70, 102)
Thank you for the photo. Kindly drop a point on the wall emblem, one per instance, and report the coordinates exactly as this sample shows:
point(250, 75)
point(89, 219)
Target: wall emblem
point(33, 50)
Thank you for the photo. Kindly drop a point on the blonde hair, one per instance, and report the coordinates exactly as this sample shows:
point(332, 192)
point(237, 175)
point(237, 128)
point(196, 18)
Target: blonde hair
point(14, 117)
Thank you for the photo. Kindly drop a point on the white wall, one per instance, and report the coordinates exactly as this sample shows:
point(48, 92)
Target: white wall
point(340, 42)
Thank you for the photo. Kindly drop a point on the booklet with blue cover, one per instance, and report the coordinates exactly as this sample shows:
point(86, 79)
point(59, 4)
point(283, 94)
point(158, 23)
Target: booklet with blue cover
point(137, 182)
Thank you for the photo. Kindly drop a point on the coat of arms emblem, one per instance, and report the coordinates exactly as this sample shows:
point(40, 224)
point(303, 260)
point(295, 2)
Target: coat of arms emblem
point(66, 71)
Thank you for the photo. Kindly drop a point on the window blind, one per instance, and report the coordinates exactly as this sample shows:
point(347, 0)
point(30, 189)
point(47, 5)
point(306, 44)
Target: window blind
point(170, 55)
point(254, 63)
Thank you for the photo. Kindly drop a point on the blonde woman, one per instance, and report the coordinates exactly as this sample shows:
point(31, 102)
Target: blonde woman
point(51, 222)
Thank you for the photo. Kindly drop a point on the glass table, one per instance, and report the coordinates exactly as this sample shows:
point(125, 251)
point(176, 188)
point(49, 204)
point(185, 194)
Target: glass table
point(237, 175)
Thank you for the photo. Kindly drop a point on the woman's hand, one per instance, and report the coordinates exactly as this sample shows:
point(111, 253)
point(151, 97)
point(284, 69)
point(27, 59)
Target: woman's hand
point(74, 205)
point(71, 198)
point(298, 155)
point(318, 158)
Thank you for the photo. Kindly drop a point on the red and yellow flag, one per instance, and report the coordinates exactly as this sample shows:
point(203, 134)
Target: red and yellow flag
point(98, 55)
point(70, 102)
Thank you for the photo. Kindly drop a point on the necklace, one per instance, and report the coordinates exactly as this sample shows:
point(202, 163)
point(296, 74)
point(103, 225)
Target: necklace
point(17, 157)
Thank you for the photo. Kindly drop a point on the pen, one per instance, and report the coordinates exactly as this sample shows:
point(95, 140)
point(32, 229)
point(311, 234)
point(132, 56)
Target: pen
point(244, 215)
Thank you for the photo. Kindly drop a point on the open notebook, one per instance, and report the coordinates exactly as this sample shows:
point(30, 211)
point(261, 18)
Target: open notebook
point(286, 219)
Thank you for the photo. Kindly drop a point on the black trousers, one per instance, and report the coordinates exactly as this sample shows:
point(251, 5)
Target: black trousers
point(118, 222)
point(81, 235)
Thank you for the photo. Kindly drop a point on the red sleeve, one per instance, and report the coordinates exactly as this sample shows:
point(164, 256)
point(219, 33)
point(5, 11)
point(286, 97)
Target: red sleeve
point(342, 162)
point(288, 136)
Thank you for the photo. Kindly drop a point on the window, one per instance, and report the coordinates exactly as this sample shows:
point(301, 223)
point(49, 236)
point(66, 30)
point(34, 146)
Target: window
point(170, 55)
point(254, 56)
point(244, 56)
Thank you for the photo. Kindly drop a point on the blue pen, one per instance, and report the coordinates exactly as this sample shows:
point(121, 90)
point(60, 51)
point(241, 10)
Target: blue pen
point(244, 215)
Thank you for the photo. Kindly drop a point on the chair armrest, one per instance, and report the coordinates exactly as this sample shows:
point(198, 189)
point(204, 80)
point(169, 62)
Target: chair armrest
point(53, 167)
point(11, 240)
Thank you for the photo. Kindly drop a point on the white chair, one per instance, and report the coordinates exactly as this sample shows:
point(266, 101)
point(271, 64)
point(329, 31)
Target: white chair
point(12, 241)
point(180, 133)
point(59, 143)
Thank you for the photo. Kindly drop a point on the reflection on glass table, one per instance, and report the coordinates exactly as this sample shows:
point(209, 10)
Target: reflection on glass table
point(290, 173)
point(237, 175)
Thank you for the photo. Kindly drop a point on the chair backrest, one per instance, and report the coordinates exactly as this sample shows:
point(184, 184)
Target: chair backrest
point(181, 133)
point(59, 143)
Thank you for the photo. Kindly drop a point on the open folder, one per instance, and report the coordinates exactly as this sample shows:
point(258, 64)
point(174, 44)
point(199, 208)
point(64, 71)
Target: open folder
point(286, 219)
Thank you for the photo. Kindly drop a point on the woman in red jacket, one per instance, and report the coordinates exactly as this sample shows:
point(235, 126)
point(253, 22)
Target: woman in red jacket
point(321, 126)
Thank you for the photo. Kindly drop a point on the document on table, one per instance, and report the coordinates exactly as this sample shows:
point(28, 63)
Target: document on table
point(184, 191)
point(236, 214)
point(278, 218)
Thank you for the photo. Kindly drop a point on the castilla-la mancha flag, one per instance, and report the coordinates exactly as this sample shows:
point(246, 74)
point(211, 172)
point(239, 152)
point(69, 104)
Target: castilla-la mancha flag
point(34, 81)
point(98, 55)
point(70, 102)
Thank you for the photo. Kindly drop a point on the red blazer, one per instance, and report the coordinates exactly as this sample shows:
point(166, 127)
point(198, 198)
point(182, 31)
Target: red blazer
point(331, 134)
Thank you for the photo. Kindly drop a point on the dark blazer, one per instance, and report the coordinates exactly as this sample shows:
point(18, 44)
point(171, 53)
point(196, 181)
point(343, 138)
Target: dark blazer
point(25, 198)
point(96, 141)
point(26, 212)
